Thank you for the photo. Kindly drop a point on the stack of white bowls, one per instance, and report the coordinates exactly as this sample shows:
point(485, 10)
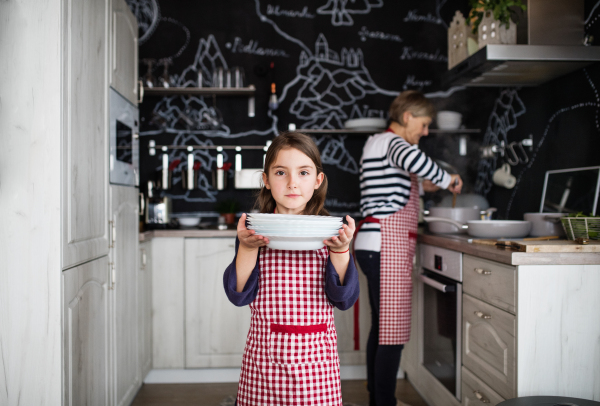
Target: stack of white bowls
point(448, 120)
point(294, 232)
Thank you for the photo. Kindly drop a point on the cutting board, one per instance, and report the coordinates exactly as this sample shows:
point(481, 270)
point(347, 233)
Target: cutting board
point(546, 246)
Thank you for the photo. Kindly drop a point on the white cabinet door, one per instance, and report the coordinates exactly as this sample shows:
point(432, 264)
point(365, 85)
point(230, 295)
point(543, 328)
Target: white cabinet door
point(215, 329)
point(123, 256)
point(167, 303)
point(344, 325)
point(85, 334)
point(124, 51)
point(84, 136)
point(145, 307)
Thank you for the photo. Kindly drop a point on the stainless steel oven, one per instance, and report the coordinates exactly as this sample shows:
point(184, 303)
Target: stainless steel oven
point(441, 319)
point(124, 140)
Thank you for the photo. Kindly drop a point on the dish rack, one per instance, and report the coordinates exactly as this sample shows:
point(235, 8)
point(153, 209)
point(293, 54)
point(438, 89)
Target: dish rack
point(581, 227)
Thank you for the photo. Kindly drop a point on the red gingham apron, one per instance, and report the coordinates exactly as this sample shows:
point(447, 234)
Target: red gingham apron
point(291, 353)
point(398, 242)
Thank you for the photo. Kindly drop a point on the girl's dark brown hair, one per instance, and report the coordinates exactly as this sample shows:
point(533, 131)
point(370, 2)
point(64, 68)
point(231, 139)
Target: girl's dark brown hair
point(303, 143)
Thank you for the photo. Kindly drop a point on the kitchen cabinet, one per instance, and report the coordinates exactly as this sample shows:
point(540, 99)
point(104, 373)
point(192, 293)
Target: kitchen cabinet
point(555, 343)
point(144, 305)
point(475, 392)
point(194, 324)
point(84, 133)
point(85, 334)
point(489, 336)
point(526, 327)
point(215, 330)
point(64, 334)
point(126, 373)
point(124, 51)
point(168, 303)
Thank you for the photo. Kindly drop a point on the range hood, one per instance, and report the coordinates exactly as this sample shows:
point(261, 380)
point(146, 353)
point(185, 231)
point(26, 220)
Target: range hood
point(520, 65)
point(550, 40)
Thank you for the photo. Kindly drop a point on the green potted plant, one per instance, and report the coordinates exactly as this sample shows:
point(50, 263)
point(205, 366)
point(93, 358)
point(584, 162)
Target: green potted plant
point(227, 208)
point(502, 10)
point(484, 12)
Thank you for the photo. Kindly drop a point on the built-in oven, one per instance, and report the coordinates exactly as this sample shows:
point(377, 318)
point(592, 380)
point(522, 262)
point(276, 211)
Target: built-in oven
point(124, 140)
point(441, 317)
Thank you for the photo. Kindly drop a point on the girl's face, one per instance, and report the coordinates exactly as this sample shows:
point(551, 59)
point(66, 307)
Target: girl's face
point(292, 180)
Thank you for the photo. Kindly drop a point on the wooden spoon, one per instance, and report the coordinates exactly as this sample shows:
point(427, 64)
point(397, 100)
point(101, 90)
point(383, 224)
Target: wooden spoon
point(454, 195)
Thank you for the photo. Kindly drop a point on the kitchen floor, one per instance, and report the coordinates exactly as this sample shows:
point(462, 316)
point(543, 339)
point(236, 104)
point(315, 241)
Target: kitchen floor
point(354, 393)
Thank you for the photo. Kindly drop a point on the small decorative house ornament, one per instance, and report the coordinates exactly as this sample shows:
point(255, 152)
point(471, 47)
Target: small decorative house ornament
point(492, 31)
point(458, 33)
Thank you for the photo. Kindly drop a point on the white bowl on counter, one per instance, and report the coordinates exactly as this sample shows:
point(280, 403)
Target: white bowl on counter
point(188, 221)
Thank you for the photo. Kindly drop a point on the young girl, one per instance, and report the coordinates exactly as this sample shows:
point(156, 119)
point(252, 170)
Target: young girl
point(291, 350)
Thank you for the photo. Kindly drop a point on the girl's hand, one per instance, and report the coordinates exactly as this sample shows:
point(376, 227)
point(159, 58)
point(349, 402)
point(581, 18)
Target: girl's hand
point(247, 238)
point(456, 184)
point(342, 243)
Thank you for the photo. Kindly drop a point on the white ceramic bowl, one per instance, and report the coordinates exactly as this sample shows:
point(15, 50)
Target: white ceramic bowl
point(368, 124)
point(189, 221)
point(448, 120)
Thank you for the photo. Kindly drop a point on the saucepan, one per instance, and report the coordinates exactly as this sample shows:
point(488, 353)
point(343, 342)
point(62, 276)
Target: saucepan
point(489, 228)
point(545, 224)
point(458, 214)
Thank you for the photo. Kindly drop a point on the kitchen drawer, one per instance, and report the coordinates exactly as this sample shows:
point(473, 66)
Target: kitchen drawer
point(489, 345)
point(475, 392)
point(490, 281)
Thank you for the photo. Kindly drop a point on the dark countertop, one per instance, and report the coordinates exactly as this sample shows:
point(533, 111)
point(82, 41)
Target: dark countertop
point(461, 243)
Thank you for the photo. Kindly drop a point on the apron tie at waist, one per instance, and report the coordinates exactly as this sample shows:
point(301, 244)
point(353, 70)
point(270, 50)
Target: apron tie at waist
point(368, 219)
point(289, 329)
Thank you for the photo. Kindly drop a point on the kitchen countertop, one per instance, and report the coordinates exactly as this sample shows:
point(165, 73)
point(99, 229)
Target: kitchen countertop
point(505, 255)
point(453, 242)
point(187, 233)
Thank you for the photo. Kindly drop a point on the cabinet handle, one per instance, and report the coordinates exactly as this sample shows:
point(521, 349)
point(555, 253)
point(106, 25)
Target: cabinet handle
point(143, 258)
point(141, 97)
point(482, 315)
point(142, 205)
point(480, 397)
point(112, 231)
point(482, 271)
point(112, 275)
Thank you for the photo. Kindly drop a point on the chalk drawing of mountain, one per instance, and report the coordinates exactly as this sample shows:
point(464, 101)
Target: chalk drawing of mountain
point(328, 82)
point(208, 57)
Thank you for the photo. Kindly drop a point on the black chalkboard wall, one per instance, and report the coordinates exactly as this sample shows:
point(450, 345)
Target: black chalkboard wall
point(332, 61)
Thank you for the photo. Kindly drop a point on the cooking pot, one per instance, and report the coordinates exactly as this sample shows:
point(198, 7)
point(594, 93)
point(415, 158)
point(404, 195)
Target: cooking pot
point(459, 214)
point(465, 200)
point(543, 224)
point(490, 228)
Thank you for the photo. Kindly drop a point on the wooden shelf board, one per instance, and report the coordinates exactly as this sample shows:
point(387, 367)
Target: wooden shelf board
point(199, 91)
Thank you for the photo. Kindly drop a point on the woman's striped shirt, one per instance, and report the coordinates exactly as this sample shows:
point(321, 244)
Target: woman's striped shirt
point(385, 168)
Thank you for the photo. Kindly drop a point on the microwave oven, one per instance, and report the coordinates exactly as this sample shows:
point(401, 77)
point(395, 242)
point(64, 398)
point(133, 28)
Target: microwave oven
point(124, 141)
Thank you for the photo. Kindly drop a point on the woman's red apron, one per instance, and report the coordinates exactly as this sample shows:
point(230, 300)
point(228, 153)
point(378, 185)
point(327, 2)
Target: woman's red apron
point(291, 353)
point(398, 243)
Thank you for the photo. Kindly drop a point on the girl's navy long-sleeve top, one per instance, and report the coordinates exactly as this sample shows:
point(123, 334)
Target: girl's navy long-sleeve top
point(341, 296)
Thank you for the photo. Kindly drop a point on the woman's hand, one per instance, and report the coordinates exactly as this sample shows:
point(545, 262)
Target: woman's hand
point(456, 183)
point(429, 186)
point(342, 243)
point(248, 238)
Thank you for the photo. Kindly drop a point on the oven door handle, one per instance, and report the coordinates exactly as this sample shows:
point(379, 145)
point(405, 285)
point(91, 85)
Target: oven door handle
point(436, 285)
